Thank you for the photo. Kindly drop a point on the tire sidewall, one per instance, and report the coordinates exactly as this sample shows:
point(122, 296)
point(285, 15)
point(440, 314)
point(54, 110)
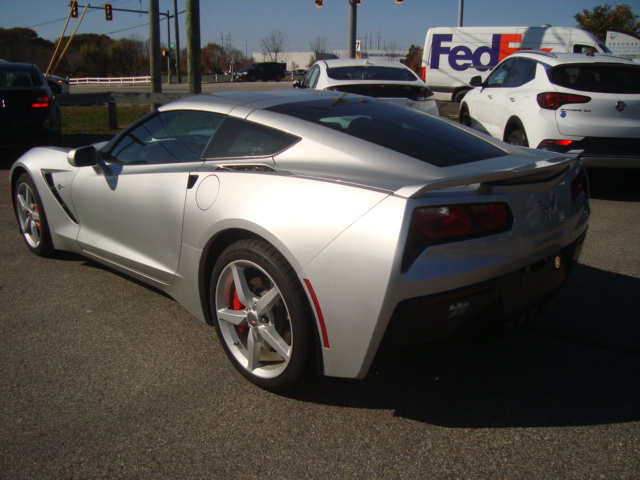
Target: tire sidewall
point(45, 247)
point(272, 262)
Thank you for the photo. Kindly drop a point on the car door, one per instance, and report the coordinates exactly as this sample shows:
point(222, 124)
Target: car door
point(502, 93)
point(132, 213)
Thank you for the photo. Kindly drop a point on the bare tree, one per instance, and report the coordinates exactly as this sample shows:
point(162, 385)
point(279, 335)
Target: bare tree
point(273, 46)
point(318, 49)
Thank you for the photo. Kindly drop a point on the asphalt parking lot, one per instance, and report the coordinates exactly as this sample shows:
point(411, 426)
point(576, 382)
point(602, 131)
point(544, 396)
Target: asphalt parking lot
point(103, 377)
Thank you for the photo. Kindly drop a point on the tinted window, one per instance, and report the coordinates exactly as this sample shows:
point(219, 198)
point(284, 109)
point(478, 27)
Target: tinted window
point(597, 77)
point(19, 76)
point(400, 129)
point(240, 138)
point(168, 137)
point(371, 72)
point(523, 71)
point(498, 77)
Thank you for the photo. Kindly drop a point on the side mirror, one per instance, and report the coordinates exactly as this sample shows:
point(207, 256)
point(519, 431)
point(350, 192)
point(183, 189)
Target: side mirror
point(476, 81)
point(83, 157)
point(87, 157)
point(297, 84)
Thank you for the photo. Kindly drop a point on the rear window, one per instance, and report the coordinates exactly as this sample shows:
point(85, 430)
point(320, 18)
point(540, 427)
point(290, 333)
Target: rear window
point(403, 130)
point(18, 76)
point(597, 77)
point(371, 72)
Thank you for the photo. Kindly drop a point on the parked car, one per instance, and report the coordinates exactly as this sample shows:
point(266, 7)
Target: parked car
point(389, 81)
point(562, 102)
point(59, 85)
point(261, 71)
point(29, 114)
point(314, 228)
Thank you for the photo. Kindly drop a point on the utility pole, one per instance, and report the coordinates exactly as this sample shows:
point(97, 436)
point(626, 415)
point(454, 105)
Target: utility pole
point(194, 69)
point(353, 21)
point(154, 45)
point(460, 11)
point(175, 18)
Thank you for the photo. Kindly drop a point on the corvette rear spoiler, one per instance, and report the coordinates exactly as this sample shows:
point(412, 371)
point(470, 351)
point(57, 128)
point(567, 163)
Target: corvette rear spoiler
point(533, 172)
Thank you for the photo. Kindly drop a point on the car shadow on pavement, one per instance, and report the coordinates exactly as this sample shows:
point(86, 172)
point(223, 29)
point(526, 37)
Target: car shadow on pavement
point(622, 185)
point(577, 363)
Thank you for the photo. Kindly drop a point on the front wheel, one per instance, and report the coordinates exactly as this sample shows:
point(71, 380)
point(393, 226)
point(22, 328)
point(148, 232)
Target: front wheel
point(465, 119)
point(31, 217)
point(261, 314)
point(518, 137)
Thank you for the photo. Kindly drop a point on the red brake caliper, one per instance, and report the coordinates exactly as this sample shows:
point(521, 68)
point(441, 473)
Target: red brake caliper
point(35, 209)
point(236, 304)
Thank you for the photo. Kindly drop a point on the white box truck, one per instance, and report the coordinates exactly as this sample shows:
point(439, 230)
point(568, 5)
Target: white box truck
point(452, 55)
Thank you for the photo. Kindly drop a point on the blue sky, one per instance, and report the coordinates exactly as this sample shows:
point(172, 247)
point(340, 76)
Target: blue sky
point(245, 22)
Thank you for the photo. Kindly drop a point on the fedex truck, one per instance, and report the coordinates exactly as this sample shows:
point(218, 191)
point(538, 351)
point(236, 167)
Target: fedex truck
point(452, 55)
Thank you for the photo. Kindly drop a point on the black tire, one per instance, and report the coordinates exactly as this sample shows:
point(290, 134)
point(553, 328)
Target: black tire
point(465, 119)
point(518, 137)
point(31, 217)
point(269, 342)
point(457, 98)
point(278, 78)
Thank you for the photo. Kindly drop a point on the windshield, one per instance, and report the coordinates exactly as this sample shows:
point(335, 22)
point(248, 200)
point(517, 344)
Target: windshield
point(371, 72)
point(403, 130)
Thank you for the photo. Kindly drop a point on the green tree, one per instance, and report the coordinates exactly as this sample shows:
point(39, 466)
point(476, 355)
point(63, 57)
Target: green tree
point(605, 17)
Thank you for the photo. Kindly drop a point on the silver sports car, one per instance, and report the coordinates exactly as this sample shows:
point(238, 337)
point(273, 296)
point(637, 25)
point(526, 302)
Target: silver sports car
point(314, 229)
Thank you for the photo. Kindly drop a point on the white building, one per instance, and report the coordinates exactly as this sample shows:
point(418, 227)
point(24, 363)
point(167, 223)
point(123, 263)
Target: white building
point(301, 60)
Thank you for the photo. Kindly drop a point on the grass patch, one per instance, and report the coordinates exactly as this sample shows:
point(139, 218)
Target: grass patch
point(95, 120)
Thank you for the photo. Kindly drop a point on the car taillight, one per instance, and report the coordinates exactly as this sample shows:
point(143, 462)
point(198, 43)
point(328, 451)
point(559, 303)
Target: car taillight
point(560, 143)
point(423, 73)
point(448, 223)
point(423, 94)
point(451, 221)
point(554, 100)
point(40, 100)
point(442, 222)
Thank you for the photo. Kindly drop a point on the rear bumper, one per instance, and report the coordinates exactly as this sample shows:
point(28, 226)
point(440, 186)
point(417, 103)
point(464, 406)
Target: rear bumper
point(469, 311)
point(603, 152)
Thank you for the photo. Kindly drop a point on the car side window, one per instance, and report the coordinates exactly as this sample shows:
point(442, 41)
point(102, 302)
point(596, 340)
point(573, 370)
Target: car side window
point(168, 137)
point(311, 80)
point(498, 77)
point(523, 71)
point(238, 138)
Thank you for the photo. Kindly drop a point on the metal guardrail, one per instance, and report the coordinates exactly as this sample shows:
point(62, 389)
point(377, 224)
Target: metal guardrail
point(110, 80)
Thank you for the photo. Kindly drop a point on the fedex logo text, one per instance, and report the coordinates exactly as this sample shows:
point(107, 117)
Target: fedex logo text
point(461, 58)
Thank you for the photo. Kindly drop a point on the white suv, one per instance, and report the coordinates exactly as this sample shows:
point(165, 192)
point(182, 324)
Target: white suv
point(562, 102)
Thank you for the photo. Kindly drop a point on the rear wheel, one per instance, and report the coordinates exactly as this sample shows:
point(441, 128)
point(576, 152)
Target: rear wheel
point(31, 217)
point(261, 314)
point(518, 137)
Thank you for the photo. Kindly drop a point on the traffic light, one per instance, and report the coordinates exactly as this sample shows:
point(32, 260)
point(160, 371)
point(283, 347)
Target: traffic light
point(108, 12)
point(74, 9)
point(318, 3)
point(398, 1)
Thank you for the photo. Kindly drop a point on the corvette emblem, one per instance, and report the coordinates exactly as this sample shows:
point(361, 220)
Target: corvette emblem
point(549, 209)
point(620, 106)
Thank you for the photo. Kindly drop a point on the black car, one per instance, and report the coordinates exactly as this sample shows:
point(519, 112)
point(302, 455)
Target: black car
point(261, 71)
point(29, 114)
